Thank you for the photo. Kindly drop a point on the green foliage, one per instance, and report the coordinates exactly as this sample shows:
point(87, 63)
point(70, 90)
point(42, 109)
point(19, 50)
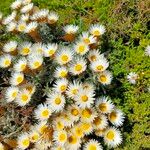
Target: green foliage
point(127, 36)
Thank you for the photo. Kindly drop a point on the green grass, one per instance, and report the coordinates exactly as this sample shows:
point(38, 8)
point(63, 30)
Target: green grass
point(126, 38)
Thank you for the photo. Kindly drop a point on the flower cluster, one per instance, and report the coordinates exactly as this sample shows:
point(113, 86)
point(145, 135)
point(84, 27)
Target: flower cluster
point(72, 109)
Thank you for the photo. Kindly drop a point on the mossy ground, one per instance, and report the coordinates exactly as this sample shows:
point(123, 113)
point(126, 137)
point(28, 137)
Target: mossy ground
point(128, 25)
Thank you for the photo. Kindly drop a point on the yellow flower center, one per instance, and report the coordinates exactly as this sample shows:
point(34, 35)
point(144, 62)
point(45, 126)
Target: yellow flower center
point(87, 40)
point(74, 112)
point(72, 139)
point(74, 91)
point(40, 50)
point(110, 135)
point(65, 58)
point(93, 58)
point(63, 74)
point(102, 78)
point(84, 98)
point(97, 121)
point(92, 147)
point(24, 98)
point(86, 113)
point(37, 64)
point(25, 142)
point(103, 107)
point(86, 126)
point(35, 137)
point(62, 137)
point(7, 62)
point(45, 113)
point(78, 67)
point(19, 80)
point(81, 48)
point(99, 67)
point(22, 27)
point(23, 66)
point(63, 87)
point(113, 116)
point(14, 94)
point(60, 125)
point(96, 33)
point(57, 101)
point(12, 49)
point(25, 50)
point(78, 132)
point(51, 52)
point(43, 129)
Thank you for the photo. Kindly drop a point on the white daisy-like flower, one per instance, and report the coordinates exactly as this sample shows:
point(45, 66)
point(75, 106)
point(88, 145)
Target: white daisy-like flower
point(92, 145)
point(16, 78)
point(24, 17)
point(58, 124)
point(58, 147)
point(5, 60)
point(11, 26)
point(9, 18)
point(30, 87)
point(42, 112)
point(74, 112)
point(20, 65)
point(23, 141)
point(42, 145)
point(87, 38)
point(112, 137)
point(97, 30)
point(71, 29)
point(77, 130)
point(116, 117)
point(77, 66)
point(86, 127)
point(132, 77)
point(25, 48)
point(61, 72)
point(73, 142)
point(35, 61)
point(16, 4)
point(60, 137)
point(38, 48)
point(23, 97)
point(95, 55)
point(52, 17)
point(104, 105)
point(88, 114)
point(50, 49)
point(21, 26)
point(56, 101)
point(105, 77)
point(89, 86)
point(34, 135)
point(99, 132)
point(25, 2)
point(64, 56)
point(11, 93)
point(100, 122)
point(40, 15)
point(42, 126)
point(147, 50)
point(73, 89)
point(31, 27)
point(84, 98)
point(99, 65)
point(27, 8)
point(81, 48)
point(61, 85)
point(10, 46)
point(1, 146)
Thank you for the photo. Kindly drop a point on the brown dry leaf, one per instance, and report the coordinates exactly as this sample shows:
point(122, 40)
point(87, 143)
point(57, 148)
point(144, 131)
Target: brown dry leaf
point(11, 143)
point(2, 111)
